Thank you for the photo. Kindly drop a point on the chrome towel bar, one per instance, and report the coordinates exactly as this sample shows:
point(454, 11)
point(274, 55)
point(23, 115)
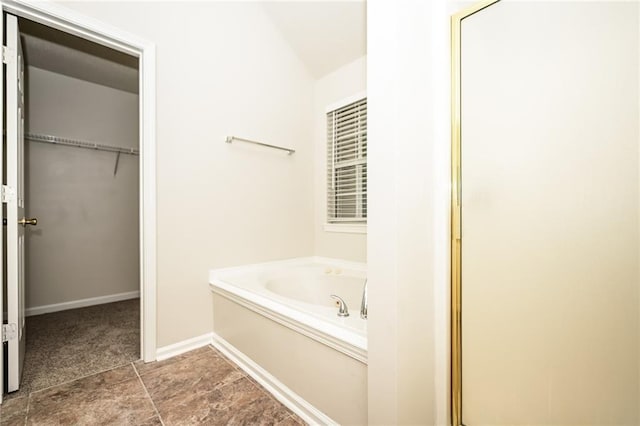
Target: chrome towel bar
point(234, 138)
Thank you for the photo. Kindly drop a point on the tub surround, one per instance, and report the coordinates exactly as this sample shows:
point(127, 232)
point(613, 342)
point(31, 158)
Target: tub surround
point(308, 357)
point(262, 288)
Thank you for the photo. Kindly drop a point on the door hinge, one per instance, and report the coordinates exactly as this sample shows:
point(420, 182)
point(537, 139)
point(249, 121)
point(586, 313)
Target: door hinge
point(9, 332)
point(8, 55)
point(7, 194)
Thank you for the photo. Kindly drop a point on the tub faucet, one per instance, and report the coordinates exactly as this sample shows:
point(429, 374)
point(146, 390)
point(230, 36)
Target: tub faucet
point(364, 304)
point(343, 311)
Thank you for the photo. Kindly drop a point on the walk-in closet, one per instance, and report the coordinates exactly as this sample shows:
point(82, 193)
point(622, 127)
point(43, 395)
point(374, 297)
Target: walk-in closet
point(81, 184)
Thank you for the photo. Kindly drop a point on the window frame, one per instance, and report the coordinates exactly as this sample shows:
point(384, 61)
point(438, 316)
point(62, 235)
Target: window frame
point(347, 227)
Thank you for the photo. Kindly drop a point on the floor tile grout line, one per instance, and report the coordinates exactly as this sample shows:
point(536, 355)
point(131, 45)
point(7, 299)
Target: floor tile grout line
point(243, 374)
point(146, 391)
point(224, 357)
point(159, 368)
point(246, 375)
point(26, 413)
point(123, 320)
point(290, 416)
point(31, 392)
point(253, 381)
point(274, 399)
point(217, 354)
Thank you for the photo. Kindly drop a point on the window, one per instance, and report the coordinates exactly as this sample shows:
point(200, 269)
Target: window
point(347, 164)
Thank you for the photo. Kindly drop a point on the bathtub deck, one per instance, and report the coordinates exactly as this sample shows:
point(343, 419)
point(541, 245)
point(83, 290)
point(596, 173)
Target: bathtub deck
point(199, 387)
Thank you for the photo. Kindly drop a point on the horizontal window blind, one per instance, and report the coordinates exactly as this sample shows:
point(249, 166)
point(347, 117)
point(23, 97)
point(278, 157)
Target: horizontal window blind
point(347, 163)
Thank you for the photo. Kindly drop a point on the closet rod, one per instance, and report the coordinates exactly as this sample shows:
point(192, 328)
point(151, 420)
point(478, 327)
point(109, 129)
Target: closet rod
point(80, 144)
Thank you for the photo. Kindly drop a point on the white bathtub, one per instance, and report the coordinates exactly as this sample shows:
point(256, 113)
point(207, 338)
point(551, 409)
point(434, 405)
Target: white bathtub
point(296, 293)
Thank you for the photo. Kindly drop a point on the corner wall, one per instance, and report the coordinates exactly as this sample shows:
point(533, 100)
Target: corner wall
point(222, 69)
point(408, 235)
point(346, 81)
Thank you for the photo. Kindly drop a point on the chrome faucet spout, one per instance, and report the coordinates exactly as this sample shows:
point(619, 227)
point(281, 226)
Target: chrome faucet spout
point(364, 304)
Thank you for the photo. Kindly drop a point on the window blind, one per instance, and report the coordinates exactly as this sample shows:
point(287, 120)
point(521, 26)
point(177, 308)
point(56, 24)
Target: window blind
point(347, 163)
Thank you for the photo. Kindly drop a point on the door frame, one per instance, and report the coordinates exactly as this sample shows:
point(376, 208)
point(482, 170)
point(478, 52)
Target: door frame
point(69, 21)
point(456, 207)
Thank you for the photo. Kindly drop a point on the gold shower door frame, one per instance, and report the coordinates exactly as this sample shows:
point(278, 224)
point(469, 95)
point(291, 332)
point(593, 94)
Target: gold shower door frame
point(456, 209)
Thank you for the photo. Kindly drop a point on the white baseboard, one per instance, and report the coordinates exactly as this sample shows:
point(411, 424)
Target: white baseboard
point(82, 303)
point(279, 390)
point(183, 346)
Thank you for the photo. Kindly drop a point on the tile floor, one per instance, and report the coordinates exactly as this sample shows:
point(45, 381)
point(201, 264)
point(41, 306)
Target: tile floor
point(199, 387)
point(66, 345)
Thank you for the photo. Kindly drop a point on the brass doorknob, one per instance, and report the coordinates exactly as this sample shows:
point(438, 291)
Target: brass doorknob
point(24, 221)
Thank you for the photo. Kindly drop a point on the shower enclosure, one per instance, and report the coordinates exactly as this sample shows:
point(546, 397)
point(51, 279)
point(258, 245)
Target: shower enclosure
point(545, 226)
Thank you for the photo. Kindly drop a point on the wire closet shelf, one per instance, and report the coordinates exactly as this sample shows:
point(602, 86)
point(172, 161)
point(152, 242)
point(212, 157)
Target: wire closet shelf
point(57, 140)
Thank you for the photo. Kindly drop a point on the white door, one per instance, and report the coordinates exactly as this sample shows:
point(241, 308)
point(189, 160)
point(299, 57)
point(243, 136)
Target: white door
point(14, 198)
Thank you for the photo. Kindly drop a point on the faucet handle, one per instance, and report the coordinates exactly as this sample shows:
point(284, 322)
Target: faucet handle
point(364, 305)
point(343, 311)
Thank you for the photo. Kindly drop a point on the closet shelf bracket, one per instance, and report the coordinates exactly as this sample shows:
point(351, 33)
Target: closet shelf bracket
point(115, 169)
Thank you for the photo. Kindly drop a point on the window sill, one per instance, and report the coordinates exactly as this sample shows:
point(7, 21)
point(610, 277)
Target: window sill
point(348, 228)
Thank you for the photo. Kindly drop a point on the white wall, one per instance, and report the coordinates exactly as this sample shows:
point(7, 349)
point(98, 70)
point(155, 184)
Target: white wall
point(86, 241)
point(407, 247)
point(408, 66)
point(342, 83)
point(222, 69)
point(407, 238)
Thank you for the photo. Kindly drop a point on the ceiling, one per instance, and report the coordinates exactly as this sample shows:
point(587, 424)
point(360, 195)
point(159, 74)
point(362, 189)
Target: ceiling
point(324, 34)
point(73, 56)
